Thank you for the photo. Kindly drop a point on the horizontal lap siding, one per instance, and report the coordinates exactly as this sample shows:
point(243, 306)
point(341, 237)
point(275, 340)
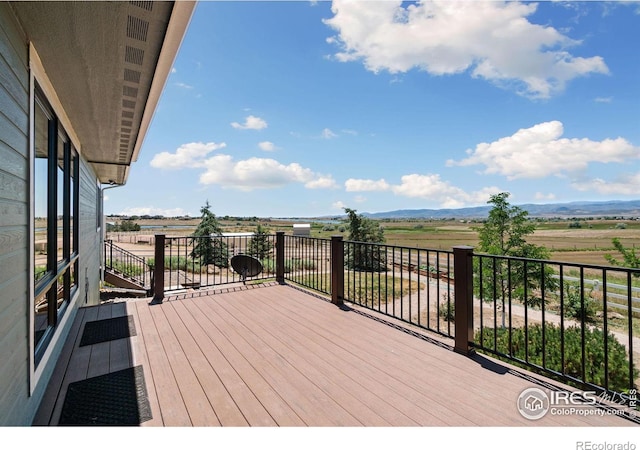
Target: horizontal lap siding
point(88, 274)
point(89, 245)
point(15, 404)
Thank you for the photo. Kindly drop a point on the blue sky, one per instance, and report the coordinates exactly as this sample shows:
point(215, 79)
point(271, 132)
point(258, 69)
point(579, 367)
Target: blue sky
point(299, 109)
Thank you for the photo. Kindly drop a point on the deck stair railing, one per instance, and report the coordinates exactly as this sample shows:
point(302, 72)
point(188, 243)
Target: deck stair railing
point(131, 269)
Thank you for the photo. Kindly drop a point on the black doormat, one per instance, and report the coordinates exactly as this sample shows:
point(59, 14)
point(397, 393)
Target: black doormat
point(118, 398)
point(107, 330)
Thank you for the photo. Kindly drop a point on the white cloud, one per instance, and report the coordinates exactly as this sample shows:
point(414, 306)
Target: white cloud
point(490, 39)
point(339, 205)
point(186, 156)
point(624, 185)
point(174, 70)
point(540, 151)
point(603, 99)
point(267, 146)
point(259, 173)
point(328, 134)
point(184, 85)
point(427, 187)
point(359, 185)
point(431, 187)
point(544, 197)
point(250, 123)
point(248, 174)
point(322, 182)
point(152, 211)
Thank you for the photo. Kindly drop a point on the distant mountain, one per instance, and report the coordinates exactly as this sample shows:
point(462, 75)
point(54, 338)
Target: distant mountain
point(562, 210)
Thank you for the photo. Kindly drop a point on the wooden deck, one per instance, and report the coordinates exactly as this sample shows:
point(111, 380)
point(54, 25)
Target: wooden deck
point(279, 356)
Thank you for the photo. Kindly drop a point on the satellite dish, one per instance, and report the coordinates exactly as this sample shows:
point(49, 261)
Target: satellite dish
point(246, 266)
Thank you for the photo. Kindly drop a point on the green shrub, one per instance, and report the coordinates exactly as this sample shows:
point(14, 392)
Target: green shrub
point(178, 263)
point(125, 225)
point(39, 272)
point(593, 358)
point(133, 270)
point(269, 265)
point(447, 310)
point(306, 264)
point(573, 307)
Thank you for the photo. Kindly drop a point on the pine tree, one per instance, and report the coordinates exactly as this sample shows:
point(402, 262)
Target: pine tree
point(207, 240)
point(259, 245)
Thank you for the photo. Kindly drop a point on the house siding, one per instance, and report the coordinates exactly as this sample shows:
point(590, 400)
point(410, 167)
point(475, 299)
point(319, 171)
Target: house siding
point(14, 220)
point(90, 245)
point(18, 405)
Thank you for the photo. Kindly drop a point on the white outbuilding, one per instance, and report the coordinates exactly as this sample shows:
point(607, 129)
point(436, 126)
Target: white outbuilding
point(302, 229)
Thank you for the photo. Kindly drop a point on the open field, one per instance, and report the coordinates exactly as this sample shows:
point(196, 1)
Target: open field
point(587, 244)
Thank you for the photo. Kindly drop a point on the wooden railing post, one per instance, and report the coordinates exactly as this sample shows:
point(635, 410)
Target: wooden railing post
point(337, 270)
point(463, 285)
point(280, 257)
point(158, 269)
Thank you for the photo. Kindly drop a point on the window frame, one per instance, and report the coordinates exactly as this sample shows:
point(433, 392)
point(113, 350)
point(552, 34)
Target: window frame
point(60, 285)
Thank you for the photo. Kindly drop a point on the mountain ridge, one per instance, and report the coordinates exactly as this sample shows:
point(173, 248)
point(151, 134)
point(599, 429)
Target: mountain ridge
point(613, 208)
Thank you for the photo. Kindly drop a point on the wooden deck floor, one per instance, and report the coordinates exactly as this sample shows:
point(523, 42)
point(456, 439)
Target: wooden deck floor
point(278, 356)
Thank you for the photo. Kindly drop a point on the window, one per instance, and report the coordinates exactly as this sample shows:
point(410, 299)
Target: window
point(55, 200)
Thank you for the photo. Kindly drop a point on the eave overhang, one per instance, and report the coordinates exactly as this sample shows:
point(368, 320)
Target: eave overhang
point(108, 63)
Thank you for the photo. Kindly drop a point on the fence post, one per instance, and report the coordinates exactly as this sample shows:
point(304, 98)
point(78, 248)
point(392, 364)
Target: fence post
point(463, 288)
point(280, 257)
point(337, 270)
point(158, 269)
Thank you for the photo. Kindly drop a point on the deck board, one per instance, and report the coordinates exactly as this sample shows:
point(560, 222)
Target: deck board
point(139, 356)
point(252, 410)
point(278, 356)
point(305, 360)
point(226, 410)
point(174, 411)
point(200, 411)
point(310, 403)
point(413, 381)
point(346, 358)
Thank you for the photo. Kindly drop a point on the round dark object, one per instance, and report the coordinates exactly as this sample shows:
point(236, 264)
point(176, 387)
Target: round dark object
point(246, 266)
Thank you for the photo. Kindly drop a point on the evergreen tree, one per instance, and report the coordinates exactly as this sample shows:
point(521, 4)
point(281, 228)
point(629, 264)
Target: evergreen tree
point(207, 241)
point(259, 245)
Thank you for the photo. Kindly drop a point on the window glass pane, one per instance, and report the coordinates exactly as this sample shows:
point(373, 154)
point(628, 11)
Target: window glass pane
point(41, 317)
point(60, 199)
point(63, 289)
point(72, 275)
point(40, 177)
point(73, 201)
